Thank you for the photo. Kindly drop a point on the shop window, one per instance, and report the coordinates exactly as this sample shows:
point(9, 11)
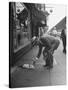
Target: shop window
point(21, 34)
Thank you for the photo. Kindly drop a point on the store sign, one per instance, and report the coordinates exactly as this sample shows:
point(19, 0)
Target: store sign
point(19, 7)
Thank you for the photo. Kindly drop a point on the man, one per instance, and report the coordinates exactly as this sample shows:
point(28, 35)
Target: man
point(63, 36)
point(50, 44)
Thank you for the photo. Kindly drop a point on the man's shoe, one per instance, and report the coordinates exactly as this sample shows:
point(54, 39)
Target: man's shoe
point(45, 65)
point(50, 67)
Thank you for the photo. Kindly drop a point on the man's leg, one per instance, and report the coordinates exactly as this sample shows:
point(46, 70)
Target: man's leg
point(50, 57)
point(64, 46)
point(45, 55)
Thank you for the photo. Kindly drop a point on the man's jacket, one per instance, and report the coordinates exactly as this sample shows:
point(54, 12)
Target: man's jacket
point(49, 42)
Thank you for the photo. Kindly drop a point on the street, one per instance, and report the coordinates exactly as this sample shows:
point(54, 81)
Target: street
point(40, 76)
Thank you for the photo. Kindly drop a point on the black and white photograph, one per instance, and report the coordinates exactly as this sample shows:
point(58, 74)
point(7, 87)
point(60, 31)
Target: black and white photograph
point(37, 44)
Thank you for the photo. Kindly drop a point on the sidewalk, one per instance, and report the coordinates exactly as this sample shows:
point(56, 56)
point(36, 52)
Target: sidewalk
point(40, 76)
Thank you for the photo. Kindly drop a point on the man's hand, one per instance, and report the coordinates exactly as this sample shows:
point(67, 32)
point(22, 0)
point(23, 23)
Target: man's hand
point(34, 60)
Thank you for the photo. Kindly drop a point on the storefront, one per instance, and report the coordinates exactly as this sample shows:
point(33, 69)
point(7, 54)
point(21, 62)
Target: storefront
point(22, 34)
point(19, 31)
point(26, 23)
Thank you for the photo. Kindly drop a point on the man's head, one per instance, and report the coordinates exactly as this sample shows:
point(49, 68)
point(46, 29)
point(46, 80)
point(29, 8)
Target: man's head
point(36, 40)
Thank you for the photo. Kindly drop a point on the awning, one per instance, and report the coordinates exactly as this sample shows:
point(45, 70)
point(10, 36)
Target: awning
point(36, 14)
